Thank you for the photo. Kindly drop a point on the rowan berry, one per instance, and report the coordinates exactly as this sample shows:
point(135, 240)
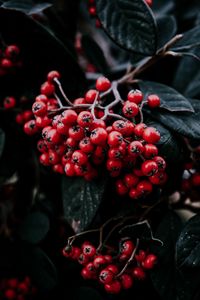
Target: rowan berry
point(151, 135)
point(130, 109)
point(106, 276)
point(103, 84)
point(126, 281)
point(135, 96)
point(9, 102)
point(153, 101)
point(149, 167)
point(113, 287)
point(85, 119)
point(98, 136)
point(53, 75)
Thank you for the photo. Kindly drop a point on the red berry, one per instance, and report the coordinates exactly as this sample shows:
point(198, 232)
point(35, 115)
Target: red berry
point(9, 102)
point(149, 261)
point(106, 276)
point(12, 283)
point(76, 253)
point(90, 96)
point(113, 268)
point(53, 136)
point(141, 256)
point(125, 128)
point(153, 101)
point(44, 159)
point(121, 188)
point(76, 132)
point(27, 115)
point(53, 75)
point(134, 194)
point(83, 259)
point(69, 169)
point(135, 96)
point(47, 89)
point(97, 123)
point(195, 179)
point(62, 128)
point(149, 2)
point(130, 180)
point(113, 287)
point(79, 101)
point(99, 261)
point(42, 122)
point(149, 167)
point(150, 151)
point(92, 11)
point(126, 281)
point(79, 157)
point(85, 119)
point(30, 127)
point(41, 98)
point(86, 146)
point(69, 117)
point(108, 258)
point(135, 147)
point(58, 168)
point(89, 250)
point(130, 109)
point(86, 274)
point(160, 178)
point(113, 165)
point(139, 273)
point(115, 138)
point(139, 129)
point(160, 162)
point(10, 294)
point(6, 63)
point(144, 187)
point(98, 136)
point(151, 135)
point(39, 108)
point(127, 247)
point(41, 146)
point(103, 84)
point(12, 51)
point(53, 157)
point(19, 118)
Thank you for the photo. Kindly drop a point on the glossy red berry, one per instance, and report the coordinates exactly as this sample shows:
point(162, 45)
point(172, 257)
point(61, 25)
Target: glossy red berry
point(135, 96)
point(79, 157)
point(12, 51)
point(125, 128)
point(19, 118)
point(121, 188)
point(153, 101)
point(149, 167)
point(42, 122)
point(130, 109)
point(69, 169)
point(47, 89)
point(69, 117)
point(144, 187)
point(160, 178)
point(99, 261)
point(139, 273)
point(113, 165)
point(106, 276)
point(134, 193)
point(160, 162)
point(9, 102)
point(53, 137)
point(58, 168)
point(151, 135)
point(39, 108)
point(6, 63)
point(90, 96)
point(44, 159)
point(79, 101)
point(10, 294)
point(53, 75)
point(85, 119)
point(89, 250)
point(113, 268)
point(76, 132)
point(150, 151)
point(140, 257)
point(127, 247)
point(30, 127)
point(126, 281)
point(103, 84)
point(149, 261)
point(98, 136)
point(195, 179)
point(113, 287)
point(139, 129)
point(131, 180)
point(53, 157)
point(83, 259)
point(41, 98)
point(115, 138)
point(27, 115)
point(135, 147)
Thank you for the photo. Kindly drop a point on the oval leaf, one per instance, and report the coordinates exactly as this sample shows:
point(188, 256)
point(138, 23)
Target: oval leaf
point(129, 23)
point(81, 200)
point(188, 245)
point(167, 28)
point(34, 228)
point(171, 100)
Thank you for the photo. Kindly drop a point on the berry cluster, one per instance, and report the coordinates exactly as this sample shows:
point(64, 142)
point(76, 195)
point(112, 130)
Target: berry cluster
point(117, 270)
point(76, 139)
point(16, 289)
point(9, 59)
point(191, 177)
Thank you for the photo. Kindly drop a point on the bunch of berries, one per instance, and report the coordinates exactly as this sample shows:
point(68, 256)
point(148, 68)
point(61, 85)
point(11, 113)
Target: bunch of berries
point(191, 177)
point(117, 270)
point(78, 138)
point(15, 289)
point(9, 59)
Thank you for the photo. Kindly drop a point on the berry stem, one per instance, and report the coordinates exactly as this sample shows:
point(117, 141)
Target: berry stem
point(130, 259)
point(62, 91)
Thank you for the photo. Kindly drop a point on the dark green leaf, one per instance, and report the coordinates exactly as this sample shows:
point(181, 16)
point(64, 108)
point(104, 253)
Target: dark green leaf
point(164, 276)
point(34, 228)
point(35, 263)
point(183, 123)
point(28, 6)
point(94, 54)
point(187, 76)
point(189, 40)
point(129, 23)
point(167, 28)
point(2, 141)
point(188, 244)
point(171, 100)
point(141, 230)
point(163, 7)
point(81, 200)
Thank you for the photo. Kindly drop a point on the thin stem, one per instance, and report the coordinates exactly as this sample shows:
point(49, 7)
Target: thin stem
point(116, 116)
point(130, 259)
point(73, 237)
point(62, 91)
point(58, 100)
point(94, 104)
